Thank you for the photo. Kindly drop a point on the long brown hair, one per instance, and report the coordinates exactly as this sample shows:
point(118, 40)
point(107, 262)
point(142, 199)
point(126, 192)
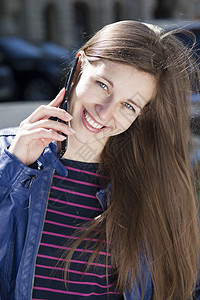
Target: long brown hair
point(152, 212)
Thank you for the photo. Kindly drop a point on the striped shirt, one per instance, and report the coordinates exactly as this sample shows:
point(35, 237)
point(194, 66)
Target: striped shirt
point(72, 202)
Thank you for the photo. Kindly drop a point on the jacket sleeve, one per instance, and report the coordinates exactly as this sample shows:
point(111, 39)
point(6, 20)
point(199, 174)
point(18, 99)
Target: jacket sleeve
point(196, 295)
point(16, 182)
point(141, 291)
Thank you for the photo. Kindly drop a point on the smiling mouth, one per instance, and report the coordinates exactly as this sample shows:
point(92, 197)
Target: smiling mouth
point(90, 123)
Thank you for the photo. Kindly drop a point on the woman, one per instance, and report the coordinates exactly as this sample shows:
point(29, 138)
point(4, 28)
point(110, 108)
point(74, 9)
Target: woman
point(116, 217)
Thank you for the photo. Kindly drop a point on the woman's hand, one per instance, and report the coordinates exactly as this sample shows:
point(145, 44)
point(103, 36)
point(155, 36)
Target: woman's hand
point(37, 131)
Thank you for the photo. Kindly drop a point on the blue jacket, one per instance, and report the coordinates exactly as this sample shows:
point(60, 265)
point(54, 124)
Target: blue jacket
point(23, 199)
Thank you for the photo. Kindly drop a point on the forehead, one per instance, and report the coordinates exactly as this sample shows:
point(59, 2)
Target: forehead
point(126, 80)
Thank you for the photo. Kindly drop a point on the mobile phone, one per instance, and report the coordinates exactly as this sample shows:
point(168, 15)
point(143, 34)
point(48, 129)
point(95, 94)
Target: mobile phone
point(62, 146)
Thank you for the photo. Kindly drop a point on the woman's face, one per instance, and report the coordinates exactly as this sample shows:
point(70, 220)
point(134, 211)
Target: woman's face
point(107, 99)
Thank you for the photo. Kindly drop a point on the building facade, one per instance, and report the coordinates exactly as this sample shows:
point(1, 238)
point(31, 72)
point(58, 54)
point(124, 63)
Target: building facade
point(67, 21)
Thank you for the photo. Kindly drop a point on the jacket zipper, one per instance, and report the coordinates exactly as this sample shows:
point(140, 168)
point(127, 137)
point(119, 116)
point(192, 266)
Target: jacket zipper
point(41, 230)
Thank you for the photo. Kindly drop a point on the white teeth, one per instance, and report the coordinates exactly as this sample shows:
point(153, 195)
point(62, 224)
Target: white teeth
point(91, 122)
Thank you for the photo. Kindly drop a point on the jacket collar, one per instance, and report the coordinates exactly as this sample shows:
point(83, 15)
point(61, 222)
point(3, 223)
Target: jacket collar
point(103, 195)
point(49, 156)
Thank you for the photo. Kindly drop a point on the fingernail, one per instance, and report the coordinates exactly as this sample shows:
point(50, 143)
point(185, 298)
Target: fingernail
point(62, 137)
point(68, 116)
point(72, 130)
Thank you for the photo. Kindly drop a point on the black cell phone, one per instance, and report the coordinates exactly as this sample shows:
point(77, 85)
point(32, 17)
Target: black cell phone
point(62, 146)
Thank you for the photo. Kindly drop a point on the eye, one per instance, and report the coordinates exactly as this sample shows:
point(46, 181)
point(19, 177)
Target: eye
point(103, 85)
point(127, 105)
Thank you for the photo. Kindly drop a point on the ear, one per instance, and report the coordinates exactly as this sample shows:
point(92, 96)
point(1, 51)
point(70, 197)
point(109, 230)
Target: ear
point(80, 55)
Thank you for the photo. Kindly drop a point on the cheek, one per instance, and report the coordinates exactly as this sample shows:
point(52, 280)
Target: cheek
point(86, 91)
point(127, 124)
point(77, 100)
point(125, 119)
point(81, 91)
point(81, 87)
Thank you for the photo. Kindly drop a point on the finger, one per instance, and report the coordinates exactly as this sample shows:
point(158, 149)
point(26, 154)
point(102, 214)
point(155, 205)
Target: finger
point(48, 124)
point(40, 134)
point(45, 111)
point(58, 98)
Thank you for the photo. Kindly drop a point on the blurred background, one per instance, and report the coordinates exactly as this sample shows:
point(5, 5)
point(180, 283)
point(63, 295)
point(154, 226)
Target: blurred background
point(39, 38)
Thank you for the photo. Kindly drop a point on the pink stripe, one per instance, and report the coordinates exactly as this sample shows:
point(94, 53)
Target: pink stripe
point(73, 282)
point(72, 192)
point(86, 172)
point(78, 181)
point(60, 235)
point(72, 293)
point(73, 261)
point(77, 249)
point(68, 215)
point(75, 204)
point(71, 271)
point(69, 236)
point(64, 225)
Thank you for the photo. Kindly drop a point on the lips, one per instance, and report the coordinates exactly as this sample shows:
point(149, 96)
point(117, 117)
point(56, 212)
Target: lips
point(90, 123)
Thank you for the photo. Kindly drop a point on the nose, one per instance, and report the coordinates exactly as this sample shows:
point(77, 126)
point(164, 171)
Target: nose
point(106, 110)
